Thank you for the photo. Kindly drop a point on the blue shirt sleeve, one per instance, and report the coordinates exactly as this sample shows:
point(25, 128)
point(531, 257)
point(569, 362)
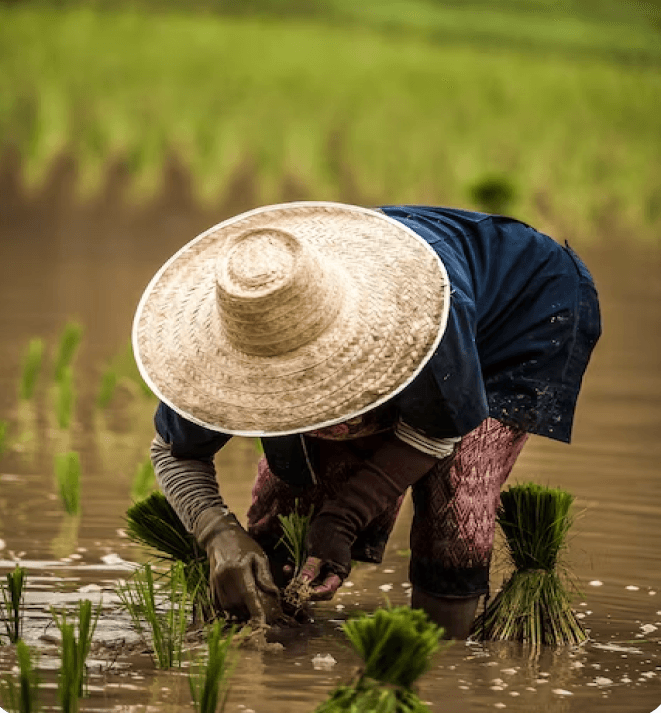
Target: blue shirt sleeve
point(188, 440)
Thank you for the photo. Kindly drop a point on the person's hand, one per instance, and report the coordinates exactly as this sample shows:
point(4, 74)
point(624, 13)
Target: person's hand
point(322, 581)
point(240, 578)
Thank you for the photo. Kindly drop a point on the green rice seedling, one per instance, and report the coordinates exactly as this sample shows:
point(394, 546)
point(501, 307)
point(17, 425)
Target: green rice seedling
point(4, 425)
point(128, 373)
point(107, 387)
point(209, 678)
point(294, 534)
point(21, 696)
point(69, 677)
point(396, 646)
point(75, 647)
point(66, 539)
point(31, 368)
point(144, 481)
point(12, 601)
point(64, 398)
point(162, 620)
point(69, 341)
point(121, 370)
point(534, 604)
point(67, 475)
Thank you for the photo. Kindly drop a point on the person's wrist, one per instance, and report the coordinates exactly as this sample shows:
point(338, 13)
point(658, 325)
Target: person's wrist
point(213, 523)
point(329, 539)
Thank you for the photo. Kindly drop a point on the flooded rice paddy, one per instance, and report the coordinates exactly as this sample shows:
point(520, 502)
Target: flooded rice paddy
point(59, 263)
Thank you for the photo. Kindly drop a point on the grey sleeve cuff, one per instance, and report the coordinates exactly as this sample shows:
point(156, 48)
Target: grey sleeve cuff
point(190, 486)
point(437, 447)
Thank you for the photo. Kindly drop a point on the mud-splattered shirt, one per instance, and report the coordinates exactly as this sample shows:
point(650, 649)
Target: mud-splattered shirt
point(524, 318)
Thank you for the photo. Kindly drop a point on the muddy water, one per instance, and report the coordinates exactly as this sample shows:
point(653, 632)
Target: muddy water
point(59, 262)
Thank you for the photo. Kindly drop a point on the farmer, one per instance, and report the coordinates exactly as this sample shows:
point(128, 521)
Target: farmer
point(371, 351)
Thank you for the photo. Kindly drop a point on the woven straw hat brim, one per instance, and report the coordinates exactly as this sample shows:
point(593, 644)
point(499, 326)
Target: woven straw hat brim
point(392, 314)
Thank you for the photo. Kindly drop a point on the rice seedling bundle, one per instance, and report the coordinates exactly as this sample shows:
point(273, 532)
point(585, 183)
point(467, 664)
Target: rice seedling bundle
point(21, 696)
point(67, 474)
point(534, 604)
point(153, 523)
point(12, 603)
point(396, 646)
point(208, 680)
point(31, 368)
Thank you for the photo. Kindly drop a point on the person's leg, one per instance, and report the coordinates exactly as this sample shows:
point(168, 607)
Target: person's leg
point(454, 525)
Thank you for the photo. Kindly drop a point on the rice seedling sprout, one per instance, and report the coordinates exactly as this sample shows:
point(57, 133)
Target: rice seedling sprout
point(209, 678)
point(75, 647)
point(534, 604)
point(144, 481)
point(64, 398)
point(294, 534)
point(31, 368)
point(69, 341)
point(67, 474)
point(21, 696)
point(160, 619)
point(121, 370)
point(107, 387)
point(4, 426)
point(12, 603)
point(396, 646)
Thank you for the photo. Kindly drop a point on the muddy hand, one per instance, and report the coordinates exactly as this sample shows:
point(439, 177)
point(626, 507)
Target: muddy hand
point(324, 584)
point(240, 578)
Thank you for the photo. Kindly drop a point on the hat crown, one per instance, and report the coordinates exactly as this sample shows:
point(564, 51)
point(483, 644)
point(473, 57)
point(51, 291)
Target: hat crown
point(259, 263)
point(272, 293)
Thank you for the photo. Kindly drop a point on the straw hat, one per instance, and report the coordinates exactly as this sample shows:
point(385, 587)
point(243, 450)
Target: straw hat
point(290, 318)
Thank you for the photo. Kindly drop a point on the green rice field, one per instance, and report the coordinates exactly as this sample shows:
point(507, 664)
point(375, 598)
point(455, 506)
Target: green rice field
point(376, 102)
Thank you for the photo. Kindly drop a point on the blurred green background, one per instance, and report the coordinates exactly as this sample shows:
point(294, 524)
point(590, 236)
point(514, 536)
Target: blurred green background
point(547, 110)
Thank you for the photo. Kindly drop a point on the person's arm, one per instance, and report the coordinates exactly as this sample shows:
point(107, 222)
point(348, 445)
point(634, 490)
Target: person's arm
point(182, 454)
point(400, 460)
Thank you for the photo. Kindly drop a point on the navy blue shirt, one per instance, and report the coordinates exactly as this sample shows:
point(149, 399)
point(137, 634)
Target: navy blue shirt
point(524, 318)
